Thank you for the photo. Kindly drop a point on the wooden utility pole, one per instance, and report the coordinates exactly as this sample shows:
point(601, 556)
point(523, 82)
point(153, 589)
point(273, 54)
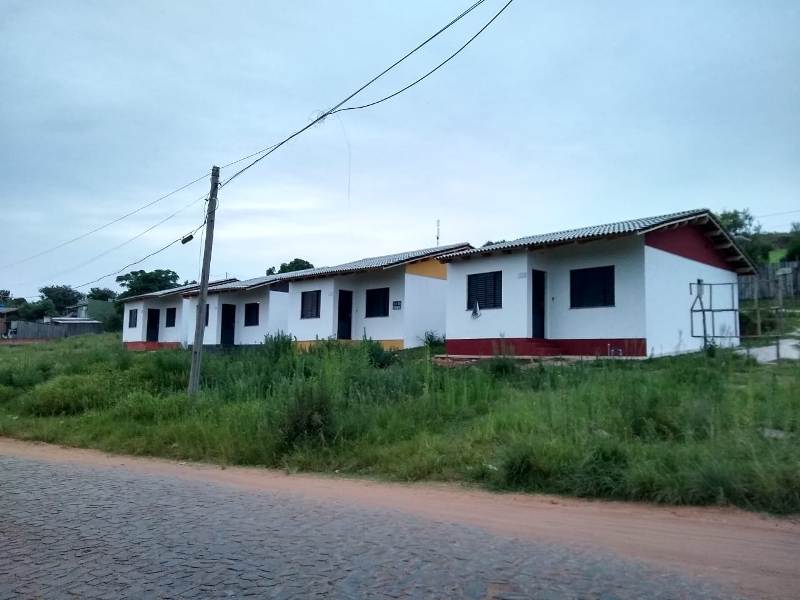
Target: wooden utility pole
point(200, 317)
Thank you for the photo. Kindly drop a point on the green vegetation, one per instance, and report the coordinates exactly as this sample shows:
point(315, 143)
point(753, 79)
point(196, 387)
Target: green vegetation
point(703, 429)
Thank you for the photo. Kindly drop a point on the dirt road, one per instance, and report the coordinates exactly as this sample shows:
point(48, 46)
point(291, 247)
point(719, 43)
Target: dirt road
point(753, 555)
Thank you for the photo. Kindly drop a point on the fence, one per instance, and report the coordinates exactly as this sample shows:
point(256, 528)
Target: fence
point(29, 330)
point(771, 281)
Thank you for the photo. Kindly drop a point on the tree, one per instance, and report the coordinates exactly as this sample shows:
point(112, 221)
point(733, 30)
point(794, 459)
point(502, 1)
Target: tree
point(793, 249)
point(738, 222)
point(491, 243)
point(35, 311)
point(101, 294)
point(144, 282)
point(5, 296)
point(296, 264)
point(742, 226)
point(61, 296)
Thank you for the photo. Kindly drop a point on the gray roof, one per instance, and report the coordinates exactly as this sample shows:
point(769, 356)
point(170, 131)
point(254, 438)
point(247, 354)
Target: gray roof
point(4, 310)
point(181, 289)
point(617, 229)
point(373, 263)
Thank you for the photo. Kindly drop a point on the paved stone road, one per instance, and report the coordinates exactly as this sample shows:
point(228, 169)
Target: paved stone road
point(78, 531)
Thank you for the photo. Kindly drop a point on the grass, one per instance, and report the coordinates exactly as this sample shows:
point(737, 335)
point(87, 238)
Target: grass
point(684, 430)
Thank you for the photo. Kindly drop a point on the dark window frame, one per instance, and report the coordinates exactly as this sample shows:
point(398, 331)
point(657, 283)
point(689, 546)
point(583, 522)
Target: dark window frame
point(592, 287)
point(133, 317)
point(310, 309)
point(173, 313)
point(376, 303)
point(486, 288)
point(251, 320)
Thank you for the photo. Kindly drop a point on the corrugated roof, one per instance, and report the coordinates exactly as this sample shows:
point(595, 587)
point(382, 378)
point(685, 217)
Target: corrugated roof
point(374, 263)
point(364, 264)
point(619, 228)
point(181, 289)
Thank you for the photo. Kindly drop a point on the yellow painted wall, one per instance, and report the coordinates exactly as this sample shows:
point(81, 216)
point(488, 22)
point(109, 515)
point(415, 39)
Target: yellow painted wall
point(428, 268)
point(386, 344)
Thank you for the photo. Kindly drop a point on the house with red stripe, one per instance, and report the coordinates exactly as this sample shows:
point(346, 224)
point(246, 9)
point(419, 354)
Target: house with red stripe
point(646, 287)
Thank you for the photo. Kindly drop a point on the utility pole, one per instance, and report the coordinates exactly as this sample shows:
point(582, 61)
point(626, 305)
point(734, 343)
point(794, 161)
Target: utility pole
point(200, 317)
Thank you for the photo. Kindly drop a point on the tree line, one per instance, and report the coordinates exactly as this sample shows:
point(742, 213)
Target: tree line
point(56, 300)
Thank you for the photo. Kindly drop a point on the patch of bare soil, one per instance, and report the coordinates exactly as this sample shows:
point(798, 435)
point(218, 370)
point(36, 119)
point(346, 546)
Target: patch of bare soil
point(759, 555)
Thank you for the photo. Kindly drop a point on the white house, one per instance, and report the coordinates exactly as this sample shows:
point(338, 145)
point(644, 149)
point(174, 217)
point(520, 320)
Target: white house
point(627, 288)
point(241, 313)
point(158, 319)
point(393, 299)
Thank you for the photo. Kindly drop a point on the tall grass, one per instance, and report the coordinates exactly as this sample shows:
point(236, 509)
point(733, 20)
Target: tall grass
point(687, 430)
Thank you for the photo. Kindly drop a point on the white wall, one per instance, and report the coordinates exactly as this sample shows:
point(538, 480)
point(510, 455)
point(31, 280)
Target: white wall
point(376, 328)
point(272, 313)
point(423, 309)
point(326, 326)
point(133, 334)
point(626, 319)
point(512, 320)
point(668, 300)
point(310, 329)
point(211, 332)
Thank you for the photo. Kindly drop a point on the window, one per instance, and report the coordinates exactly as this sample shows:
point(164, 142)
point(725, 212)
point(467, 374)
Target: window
point(591, 287)
point(171, 312)
point(206, 315)
point(377, 303)
point(486, 289)
point(251, 314)
point(133, 315)
point(309, 304)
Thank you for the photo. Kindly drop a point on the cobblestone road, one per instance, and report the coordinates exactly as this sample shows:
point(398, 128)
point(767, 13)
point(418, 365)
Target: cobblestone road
point(79, 531)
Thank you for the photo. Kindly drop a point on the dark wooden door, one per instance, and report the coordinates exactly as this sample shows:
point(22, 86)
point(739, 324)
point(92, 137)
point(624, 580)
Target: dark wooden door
point(539, 302)
point(153, 315)
point(344, 330)
point(227, 324)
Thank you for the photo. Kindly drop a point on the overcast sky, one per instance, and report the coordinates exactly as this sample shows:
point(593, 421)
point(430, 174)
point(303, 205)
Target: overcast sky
point(561, 114)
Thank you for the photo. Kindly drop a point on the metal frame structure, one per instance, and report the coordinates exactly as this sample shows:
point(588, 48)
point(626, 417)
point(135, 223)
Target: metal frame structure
point(699, 307)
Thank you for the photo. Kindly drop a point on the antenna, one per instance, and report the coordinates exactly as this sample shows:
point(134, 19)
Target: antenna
point(437, 232)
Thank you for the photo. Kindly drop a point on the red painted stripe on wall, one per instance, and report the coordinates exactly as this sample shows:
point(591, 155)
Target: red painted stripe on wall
point(542, 347)
point(688, 242)
point(139, 346)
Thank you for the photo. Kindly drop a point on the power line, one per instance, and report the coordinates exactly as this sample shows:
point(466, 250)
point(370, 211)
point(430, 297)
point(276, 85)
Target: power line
point(144, 258)
point(778, 214)
point(126, 215)
point(105, 225)
point(330, 111)
point(429, 73)
point(131, 239)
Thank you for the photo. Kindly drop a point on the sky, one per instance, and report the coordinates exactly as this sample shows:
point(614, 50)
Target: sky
point(560, 115)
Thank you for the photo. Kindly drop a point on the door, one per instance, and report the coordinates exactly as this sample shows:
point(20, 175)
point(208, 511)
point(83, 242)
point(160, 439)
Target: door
point(227, 324)
point(345, 327)
point(153, 315)
point(539, 302)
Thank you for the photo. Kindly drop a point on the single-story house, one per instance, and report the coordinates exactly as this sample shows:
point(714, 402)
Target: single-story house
point(393, 299)
point(159, 319)
point(240, 312)
point(628, 288)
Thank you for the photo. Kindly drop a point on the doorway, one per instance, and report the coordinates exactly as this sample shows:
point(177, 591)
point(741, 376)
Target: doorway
point(345, 326)
point(539, 301)
point(227, 325)
point(153, 315)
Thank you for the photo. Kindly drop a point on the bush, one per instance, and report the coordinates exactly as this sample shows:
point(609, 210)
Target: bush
point(377, 355)
point(70, 395)
point(502, 366)
point(309, 418)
